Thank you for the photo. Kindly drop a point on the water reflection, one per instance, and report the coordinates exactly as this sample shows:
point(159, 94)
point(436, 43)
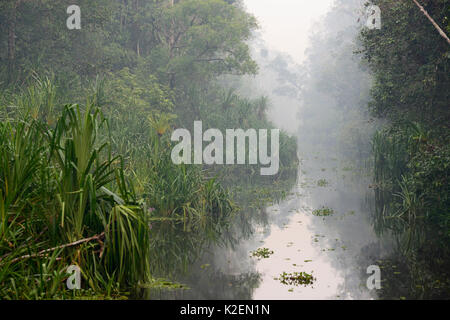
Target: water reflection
point(332, 246)
point(335, 249)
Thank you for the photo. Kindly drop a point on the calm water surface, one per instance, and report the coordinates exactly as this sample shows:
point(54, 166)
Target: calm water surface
point(335, 249)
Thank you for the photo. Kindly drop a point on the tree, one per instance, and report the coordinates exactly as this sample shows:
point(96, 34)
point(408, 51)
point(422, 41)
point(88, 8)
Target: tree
point(198, 39)
point(410, 62)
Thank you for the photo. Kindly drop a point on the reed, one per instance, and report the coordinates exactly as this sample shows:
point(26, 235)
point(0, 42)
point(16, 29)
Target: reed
point(67, 196)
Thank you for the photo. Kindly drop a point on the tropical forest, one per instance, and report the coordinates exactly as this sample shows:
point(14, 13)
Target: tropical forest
point(314, 137)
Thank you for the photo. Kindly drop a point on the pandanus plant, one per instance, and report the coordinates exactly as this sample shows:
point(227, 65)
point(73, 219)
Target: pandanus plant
point(86, 169)
point(160, 123)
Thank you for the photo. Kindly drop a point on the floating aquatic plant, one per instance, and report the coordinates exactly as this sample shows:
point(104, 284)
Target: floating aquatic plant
point(323, 212)
point(296, 279)
point(163, 284)
point(322, 183)
point(262, 253)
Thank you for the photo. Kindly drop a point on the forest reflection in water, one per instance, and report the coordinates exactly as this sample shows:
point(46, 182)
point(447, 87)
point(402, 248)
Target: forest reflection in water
point(335, 249)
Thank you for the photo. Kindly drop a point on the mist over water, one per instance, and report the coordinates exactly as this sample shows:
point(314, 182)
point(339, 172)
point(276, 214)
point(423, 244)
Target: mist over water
point(124, 154)
point(307, 100)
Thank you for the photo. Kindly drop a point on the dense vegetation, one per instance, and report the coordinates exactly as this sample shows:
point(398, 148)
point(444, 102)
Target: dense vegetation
point(389, 87)
point(411, 63)
point(86, 176)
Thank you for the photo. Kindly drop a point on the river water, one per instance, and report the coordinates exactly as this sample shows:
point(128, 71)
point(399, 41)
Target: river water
point(336, 249)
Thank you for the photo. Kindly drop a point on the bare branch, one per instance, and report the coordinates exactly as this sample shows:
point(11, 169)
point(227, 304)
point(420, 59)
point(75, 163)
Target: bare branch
point(441, 32)
point(43, 253)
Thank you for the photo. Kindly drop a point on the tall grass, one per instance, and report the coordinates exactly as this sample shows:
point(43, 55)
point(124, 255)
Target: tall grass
point(68, 197)
point(54, 182)
point(412, 202)
point(187, 209)
point(411, 179)
point(397, 207)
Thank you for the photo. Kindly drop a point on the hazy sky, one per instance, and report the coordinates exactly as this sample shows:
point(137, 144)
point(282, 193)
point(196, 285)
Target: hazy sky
point(285, 23)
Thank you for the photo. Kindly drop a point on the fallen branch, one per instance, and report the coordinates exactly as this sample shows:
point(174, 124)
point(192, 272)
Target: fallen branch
point(441, 32)
point(43, 253)
point(25, 244)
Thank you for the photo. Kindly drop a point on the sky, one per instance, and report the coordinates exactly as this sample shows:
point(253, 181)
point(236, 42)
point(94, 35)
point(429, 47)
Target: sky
point(285, 24)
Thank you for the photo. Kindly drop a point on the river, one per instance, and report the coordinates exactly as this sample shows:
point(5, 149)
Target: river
point(324, 227)
point(335, 249)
